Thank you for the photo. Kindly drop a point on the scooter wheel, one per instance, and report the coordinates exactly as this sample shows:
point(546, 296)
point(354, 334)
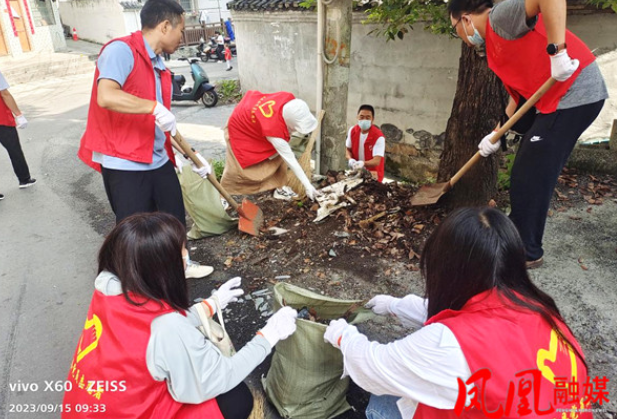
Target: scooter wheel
point(210, 98)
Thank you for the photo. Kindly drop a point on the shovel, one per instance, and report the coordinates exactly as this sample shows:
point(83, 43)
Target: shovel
point(251, 216)
point(430, 194)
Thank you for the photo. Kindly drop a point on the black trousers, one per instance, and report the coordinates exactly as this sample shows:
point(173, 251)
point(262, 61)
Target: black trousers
point(10, 140)
point(131, 192)
point(219, 52)
point(237, 403)
point(543, 152)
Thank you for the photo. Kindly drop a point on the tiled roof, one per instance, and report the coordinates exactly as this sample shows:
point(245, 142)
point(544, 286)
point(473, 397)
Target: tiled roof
point(131, 5)
point(574, 6)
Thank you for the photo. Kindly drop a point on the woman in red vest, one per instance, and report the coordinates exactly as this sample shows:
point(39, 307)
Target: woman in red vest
point(366, 144)
point(526, 43)
point(492, 341)
point(140, 354)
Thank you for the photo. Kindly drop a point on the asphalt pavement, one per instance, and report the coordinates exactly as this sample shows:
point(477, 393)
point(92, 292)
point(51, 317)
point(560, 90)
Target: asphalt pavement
point(50, 234)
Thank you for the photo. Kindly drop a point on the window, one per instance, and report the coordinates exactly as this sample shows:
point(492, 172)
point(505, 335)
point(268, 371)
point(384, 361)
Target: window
point(42, 13)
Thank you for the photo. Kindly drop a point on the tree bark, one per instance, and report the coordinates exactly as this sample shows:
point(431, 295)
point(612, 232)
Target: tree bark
point(479, 103)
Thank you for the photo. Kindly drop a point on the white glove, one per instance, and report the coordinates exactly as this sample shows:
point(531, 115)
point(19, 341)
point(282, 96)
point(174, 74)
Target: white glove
point(165, 120)
point(179, 163)
point(21, 121)
point(205, 169)
point(487, 147)
point(280, 326)
point(382, 304)
point(336, 330)
point(562, 66)
point(229, 292)
point(358, 165)
point(351, 163)
point(311, 192)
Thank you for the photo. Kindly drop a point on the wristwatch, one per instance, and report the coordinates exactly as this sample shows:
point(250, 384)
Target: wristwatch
point(553, 49)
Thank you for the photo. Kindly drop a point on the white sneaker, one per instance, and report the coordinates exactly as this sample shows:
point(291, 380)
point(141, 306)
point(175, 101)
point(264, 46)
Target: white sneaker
point(195, 271)
point(285, 193)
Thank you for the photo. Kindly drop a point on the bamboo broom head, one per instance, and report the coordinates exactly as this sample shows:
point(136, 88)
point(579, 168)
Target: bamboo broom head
point(305, 162)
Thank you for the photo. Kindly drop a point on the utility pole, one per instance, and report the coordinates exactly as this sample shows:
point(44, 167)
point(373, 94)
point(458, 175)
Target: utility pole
point(337, 51)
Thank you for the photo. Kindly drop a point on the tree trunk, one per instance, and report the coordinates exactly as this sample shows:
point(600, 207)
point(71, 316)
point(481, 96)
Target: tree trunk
point(337, 47)
point(478, 106)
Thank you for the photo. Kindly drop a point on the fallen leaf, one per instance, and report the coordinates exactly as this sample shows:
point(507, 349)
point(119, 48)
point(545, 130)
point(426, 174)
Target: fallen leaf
point(550, 213)
point(572, 217)
point(413, 255)
point(583, 267)
point(228, 262)
point(580, 260)
point(589, 209)
point(492, 203)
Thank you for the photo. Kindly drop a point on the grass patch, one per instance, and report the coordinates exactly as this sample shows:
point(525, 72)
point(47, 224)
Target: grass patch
point(229, 91)
point(218, 165)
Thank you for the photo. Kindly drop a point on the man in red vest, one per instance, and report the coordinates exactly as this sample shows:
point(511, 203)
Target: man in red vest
point(11, 117)
point(366, 144)
point(526, 42)
point(127, 137)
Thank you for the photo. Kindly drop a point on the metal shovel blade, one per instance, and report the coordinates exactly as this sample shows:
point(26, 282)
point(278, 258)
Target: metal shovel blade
point(430, 194)
point(251, 218)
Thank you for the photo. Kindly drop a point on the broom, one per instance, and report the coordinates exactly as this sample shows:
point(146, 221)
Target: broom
point(305, 162)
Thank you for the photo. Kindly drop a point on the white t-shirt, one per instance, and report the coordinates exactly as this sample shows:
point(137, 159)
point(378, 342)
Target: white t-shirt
point(419, 368)
point(220, 40)
point(3, 83)
point(379, 149)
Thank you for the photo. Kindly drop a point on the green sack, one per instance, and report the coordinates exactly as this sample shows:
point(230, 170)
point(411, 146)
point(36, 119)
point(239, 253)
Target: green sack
point(304, 380)
point(203, 203)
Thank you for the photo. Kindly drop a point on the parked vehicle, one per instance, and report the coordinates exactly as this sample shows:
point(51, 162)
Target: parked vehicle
point(206, 52)
point(201, 89)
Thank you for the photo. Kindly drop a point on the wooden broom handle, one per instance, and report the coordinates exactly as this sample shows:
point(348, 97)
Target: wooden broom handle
point(509, 123)
point(189, 152)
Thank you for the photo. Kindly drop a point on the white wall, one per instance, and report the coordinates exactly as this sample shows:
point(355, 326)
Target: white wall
point(411, 83)
point(95, 20)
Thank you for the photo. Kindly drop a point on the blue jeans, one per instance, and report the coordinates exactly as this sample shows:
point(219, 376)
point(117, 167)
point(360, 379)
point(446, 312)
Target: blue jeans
point(383, 407)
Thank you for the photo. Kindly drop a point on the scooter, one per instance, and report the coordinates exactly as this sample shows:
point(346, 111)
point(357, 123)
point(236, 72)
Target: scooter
point(201, 90)
point(206, 52)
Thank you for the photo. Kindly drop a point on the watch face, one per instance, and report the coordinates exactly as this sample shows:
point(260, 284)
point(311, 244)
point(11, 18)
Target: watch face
point(551, 49)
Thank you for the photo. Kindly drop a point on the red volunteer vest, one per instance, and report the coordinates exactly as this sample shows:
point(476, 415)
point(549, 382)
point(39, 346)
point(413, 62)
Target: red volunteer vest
point(523, 64)
point(127, 136)
point(6, 115)
point(508, 342)
point(257, 116)
point(109, 371)
point(373, 135)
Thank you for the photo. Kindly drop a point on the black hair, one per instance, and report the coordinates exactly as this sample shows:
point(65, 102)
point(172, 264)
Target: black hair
point(366, 107)
point(145, 252)
point(479, 249)
point(157, 11)
point(457, 8)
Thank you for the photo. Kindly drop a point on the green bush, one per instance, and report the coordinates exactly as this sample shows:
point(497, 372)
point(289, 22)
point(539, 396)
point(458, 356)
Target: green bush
point(218, 165)
point(503, 177)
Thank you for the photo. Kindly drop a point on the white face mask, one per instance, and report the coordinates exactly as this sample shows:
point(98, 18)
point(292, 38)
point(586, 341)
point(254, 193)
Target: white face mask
point(476, 39)
point(364, 124)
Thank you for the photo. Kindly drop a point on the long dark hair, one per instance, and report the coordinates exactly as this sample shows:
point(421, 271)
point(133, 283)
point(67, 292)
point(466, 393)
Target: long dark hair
point(457, 8)
point(476, 250)
point(145, 252)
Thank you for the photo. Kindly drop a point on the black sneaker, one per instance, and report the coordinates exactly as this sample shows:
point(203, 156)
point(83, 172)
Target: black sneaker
point(229, 69)
point(27, 184)
point(1, 197)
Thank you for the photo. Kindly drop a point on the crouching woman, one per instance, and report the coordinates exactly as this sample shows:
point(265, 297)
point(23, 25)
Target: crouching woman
point(494, 344)
point(140, 354)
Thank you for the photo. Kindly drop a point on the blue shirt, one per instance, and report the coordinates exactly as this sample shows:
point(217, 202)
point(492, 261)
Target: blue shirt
point(116, 63)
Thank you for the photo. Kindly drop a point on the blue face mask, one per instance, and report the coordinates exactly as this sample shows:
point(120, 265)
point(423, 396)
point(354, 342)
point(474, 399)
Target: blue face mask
point(476, 39)
point(364, 124)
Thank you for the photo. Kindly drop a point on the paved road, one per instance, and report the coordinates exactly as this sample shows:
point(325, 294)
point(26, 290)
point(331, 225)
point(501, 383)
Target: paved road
point(50, 234)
